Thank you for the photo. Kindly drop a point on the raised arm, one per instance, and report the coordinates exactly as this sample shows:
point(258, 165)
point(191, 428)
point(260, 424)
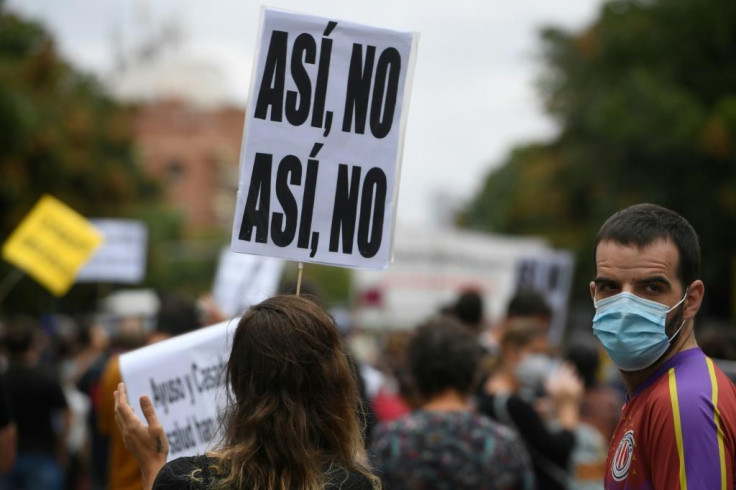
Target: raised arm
point(147, 443)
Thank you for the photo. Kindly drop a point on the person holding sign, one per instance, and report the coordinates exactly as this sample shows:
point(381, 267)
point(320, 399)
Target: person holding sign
point(291, 420)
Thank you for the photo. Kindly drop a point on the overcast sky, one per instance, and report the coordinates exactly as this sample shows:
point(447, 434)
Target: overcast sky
point(473, 93)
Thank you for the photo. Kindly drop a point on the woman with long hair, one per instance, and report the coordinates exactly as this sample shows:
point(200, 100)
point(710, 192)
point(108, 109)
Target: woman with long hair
point(291, 421)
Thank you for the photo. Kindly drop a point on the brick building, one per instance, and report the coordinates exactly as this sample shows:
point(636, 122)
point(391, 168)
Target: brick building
point(193, 150)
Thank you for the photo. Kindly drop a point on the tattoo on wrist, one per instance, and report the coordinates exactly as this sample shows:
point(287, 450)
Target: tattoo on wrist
point(159, 445)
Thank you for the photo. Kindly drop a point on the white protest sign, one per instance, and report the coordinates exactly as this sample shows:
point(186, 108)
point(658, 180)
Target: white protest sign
point(121, 257)
point(550, 274)
point(184, 378)
point(243, 280)
point(323, 139)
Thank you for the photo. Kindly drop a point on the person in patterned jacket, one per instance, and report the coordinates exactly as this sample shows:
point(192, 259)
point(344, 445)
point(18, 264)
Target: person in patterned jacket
point(444, 444)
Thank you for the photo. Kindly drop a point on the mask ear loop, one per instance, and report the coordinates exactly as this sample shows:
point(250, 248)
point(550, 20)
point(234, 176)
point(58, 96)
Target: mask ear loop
point(674, 335)
point(679, 302)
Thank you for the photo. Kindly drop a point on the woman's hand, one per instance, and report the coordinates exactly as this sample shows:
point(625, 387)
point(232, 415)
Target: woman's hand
point(147, 443)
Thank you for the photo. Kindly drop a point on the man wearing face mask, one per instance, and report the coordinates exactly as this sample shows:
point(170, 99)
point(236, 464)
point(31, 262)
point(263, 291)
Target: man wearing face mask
point(678, 425)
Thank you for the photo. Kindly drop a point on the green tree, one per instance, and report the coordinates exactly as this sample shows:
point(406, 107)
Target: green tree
point(59, 134)
point(645, 98)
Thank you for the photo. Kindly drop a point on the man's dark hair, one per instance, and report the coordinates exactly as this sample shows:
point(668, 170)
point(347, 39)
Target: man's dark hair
point(521, 332)
point(178, 315)
point(585, 358)
point(443, 354)
point(20, 334)
point(644, 224)
point(468, 308)
point(528, 302)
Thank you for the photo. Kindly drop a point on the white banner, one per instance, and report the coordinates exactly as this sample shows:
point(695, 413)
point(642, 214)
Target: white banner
point(243, 280)
point(122, 255)
point(184, 378)
point(550, 274)
point(324, 129)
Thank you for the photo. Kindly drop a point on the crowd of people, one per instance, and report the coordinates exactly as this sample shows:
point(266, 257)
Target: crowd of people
point(55, 374)
point(450, 374)
point(457, 403)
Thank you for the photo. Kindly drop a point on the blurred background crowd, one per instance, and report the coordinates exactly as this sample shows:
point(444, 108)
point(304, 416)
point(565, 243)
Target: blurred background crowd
point(561, 401)
point(59, 373)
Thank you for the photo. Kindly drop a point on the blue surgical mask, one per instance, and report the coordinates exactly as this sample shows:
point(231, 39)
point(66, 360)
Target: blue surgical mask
point(632, 330)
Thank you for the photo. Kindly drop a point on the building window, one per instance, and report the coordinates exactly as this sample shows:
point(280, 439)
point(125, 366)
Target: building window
point(174, 171)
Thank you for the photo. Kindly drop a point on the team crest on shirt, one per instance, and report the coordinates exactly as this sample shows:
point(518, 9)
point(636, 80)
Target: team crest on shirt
point(622, 456)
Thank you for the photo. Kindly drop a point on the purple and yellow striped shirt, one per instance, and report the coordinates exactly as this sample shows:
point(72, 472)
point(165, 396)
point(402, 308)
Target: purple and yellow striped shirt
point(677, 430)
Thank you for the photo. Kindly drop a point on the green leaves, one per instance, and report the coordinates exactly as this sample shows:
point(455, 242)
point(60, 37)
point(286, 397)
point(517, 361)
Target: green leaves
point(646, 102)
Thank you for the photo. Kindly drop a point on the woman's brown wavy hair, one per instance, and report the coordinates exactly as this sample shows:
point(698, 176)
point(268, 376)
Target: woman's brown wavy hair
point(292, 416)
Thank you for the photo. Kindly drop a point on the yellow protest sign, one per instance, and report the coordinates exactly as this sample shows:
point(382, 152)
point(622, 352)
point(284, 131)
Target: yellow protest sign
point(51, 244)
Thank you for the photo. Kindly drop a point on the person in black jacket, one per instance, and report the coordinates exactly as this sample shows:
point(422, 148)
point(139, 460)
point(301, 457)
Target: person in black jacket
point(509, 396)
point(37, 401)
point(8, 432)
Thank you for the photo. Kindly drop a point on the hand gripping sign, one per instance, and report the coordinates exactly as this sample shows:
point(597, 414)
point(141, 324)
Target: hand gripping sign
point(185, 379)
point(323, 140)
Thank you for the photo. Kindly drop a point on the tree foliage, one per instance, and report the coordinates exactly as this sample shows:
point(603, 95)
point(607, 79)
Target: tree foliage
point(645, 98)
point(59, 134)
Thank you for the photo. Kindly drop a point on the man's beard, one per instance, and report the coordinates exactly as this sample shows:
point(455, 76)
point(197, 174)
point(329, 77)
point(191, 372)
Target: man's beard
point(671, 328)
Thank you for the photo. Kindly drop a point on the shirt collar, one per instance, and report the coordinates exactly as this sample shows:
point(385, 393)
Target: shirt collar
point(671, 362)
